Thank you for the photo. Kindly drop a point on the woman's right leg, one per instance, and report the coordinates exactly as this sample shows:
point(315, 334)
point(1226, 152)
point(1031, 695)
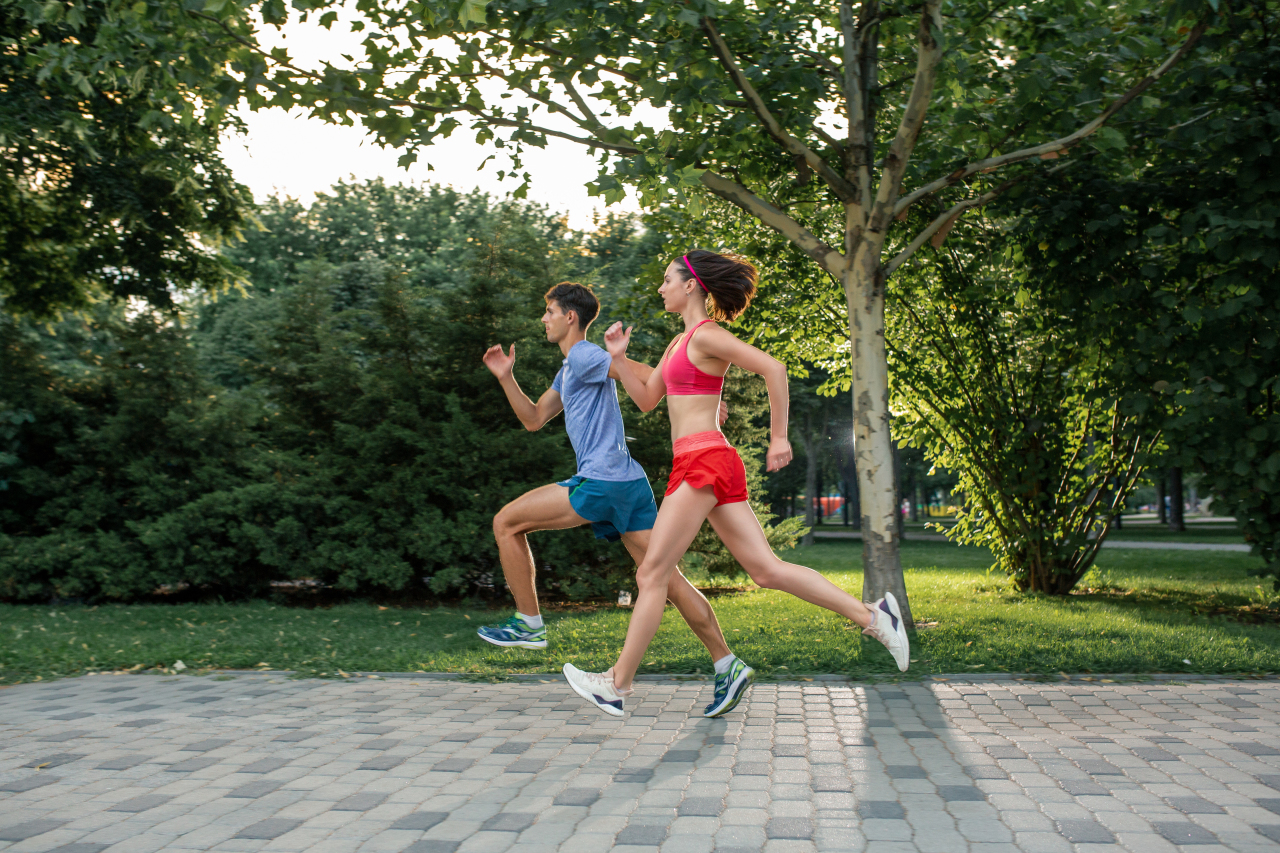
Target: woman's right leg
point(679, 519)
point(738, 528)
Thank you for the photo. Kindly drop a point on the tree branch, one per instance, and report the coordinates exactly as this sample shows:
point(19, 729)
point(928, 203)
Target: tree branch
point(789, 143)
point(628, 150)
point(582, 103)
point(625, 75)
point(1064, 143)
point(944, 218)
point(251, 45)
point(857, 158)
point(827, 138)
point(928, 55)
point(808, 242)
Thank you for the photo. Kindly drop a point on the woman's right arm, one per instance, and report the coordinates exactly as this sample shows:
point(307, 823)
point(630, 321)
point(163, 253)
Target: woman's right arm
point(645, 394)
point(723, 344)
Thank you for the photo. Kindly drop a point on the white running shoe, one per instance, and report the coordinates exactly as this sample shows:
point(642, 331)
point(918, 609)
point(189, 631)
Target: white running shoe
point(889, 629)
point(596, 687)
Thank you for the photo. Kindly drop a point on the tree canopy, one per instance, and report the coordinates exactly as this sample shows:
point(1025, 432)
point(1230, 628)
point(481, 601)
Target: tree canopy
point(111, 184)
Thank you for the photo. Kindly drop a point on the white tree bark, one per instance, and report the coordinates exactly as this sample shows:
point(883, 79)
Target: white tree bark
point(882, 564)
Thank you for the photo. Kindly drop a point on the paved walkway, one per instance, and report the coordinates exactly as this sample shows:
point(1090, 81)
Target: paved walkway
point(138, 763)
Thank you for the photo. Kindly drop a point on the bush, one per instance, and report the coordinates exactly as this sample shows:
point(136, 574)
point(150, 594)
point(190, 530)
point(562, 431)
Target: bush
point(367, 447)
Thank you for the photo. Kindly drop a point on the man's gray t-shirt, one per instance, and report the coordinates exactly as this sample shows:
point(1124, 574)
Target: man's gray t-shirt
point(592, 417)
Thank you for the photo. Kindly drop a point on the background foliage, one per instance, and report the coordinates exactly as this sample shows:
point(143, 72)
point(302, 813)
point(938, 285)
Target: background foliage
point(333, 423)
point(1167, 252)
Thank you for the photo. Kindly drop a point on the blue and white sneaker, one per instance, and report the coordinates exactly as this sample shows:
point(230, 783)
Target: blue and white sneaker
point(597, 688)
point(514, 632)
point(731, 686)
point(889, 629)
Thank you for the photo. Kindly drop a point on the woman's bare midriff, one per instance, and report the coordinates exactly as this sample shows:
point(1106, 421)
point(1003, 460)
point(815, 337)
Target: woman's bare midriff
point(692, 413)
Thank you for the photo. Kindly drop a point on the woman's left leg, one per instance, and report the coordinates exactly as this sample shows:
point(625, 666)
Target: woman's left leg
point(679, 520)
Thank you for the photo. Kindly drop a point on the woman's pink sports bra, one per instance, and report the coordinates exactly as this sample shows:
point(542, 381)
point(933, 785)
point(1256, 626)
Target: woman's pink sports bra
point(683, 377)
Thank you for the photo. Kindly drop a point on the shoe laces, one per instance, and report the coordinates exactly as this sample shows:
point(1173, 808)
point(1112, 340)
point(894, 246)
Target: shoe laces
point(606, 679)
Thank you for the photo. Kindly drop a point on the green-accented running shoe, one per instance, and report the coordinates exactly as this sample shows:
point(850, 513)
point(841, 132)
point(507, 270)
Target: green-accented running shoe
point(730, 688)
point(515, 632)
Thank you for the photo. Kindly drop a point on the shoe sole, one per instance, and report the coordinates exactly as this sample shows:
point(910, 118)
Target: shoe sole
point(733, 698)
point(590, 697)
point(520, 644)
point(901, 632)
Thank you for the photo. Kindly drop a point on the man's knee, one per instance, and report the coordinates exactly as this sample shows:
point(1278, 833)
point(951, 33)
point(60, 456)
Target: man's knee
point(507, 522)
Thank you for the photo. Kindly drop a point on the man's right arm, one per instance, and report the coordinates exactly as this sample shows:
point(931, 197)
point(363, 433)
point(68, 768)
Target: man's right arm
point(532, 415)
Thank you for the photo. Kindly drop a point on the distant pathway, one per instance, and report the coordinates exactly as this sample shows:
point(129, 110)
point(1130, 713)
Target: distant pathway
point(134, 764)
point(1110, 543)
point(1178, 546)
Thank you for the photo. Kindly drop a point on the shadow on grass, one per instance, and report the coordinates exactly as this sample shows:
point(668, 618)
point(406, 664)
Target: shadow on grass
point(1177, 602)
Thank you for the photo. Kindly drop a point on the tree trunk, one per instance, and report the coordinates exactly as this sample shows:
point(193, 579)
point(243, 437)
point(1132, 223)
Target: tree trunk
point(1162, 512)
point(810, 478)
point(916, 499)
point(873, 449)
point(1176, 522)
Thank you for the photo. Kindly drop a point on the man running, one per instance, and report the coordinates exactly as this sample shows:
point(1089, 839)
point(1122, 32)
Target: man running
point(609, 491)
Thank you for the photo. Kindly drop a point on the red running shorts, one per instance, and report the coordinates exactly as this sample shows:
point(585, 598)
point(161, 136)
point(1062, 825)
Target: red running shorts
point(707, 459)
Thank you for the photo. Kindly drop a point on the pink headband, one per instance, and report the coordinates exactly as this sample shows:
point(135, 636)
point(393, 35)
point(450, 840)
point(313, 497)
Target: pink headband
point(695, 275)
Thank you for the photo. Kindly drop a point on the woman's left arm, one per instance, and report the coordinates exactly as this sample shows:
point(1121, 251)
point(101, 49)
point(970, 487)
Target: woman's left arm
point(724, 345)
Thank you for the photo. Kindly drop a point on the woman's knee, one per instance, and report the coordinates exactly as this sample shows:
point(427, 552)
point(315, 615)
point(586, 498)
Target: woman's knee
point(767, 574)
point(652, 576)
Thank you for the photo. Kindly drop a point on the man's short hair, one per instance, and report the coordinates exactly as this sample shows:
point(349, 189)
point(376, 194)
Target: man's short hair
point(575, 298)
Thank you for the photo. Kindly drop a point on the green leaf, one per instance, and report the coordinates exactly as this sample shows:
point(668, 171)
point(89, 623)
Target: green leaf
point(1108, 138)
point(473, 12)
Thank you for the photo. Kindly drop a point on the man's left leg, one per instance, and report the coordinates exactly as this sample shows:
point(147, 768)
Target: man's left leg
point(544, 508)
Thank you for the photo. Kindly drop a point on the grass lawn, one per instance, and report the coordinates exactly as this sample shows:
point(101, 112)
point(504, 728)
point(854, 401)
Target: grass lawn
point(1216, 534)
point(1148, 611)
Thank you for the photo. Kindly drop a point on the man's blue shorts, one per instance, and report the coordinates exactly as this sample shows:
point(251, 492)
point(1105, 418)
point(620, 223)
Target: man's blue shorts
point(613, 508)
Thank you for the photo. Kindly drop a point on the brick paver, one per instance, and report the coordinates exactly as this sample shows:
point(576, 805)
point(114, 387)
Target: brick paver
point(132, 764)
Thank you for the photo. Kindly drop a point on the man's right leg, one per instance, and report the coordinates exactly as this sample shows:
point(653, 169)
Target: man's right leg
point(545, 508)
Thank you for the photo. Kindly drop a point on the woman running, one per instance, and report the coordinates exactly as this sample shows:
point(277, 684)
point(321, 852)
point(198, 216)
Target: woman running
point(708, 480)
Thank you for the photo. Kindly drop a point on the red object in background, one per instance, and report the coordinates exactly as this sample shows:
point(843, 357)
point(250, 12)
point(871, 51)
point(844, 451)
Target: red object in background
point(830, 505)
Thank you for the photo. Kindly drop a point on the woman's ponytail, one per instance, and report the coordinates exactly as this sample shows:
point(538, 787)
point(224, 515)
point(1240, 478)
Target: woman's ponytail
point(728, 279)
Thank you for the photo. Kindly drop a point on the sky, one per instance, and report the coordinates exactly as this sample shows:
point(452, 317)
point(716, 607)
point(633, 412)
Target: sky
point(293, 155)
